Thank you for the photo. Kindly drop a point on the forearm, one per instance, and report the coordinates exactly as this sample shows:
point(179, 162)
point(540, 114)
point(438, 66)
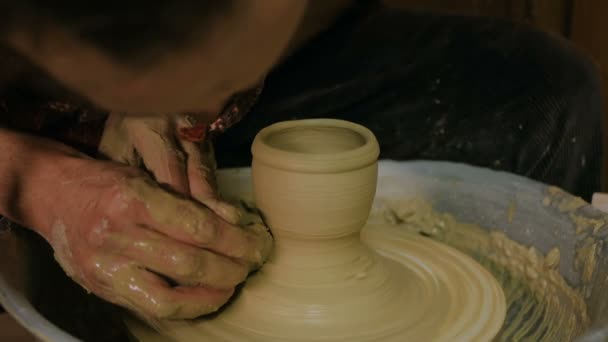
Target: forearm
point(30, 168)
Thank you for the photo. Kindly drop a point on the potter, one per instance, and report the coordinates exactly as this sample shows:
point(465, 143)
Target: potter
point(85, 69)
point(314, 182)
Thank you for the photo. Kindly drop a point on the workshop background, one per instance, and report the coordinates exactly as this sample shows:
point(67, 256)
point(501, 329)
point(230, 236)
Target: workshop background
point(584, 22)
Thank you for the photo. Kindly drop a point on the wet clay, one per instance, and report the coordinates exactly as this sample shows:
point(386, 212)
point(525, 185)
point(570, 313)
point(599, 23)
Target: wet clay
point(541, 305)
point(412, 289)
point(590, 230)
point(329, 280)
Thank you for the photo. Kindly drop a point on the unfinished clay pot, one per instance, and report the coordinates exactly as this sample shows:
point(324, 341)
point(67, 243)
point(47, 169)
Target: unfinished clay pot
point(314, 179)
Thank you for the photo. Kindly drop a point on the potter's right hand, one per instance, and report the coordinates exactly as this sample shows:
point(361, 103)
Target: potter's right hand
point(121, 236)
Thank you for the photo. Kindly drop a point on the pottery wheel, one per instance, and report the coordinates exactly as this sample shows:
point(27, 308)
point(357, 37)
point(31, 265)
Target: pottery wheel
point(445, 296)
point(330, 279)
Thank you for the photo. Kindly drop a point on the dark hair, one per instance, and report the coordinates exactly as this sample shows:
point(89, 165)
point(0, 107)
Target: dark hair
point(130, 31)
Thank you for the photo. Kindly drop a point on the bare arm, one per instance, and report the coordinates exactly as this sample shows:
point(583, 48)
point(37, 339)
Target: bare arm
point(28, 166)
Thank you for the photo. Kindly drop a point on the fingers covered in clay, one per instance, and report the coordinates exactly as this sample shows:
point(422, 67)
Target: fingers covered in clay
point(130, 241)
point(200, 169)
point(127, 284)
point(165, 246)
point(192, 223)
point(182, 263)
point(114, 143)
point(186, 167)
point(154, 141)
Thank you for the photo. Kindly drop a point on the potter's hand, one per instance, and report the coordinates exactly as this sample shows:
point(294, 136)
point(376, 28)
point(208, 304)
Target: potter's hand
point(189, 169)
point(152, 142)
point(122, 237)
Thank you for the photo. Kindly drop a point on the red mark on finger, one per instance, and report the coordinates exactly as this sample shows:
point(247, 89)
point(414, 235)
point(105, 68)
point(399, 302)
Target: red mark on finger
point(196, 133)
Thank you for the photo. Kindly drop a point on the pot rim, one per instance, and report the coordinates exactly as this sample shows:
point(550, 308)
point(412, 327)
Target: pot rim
point(348, 160)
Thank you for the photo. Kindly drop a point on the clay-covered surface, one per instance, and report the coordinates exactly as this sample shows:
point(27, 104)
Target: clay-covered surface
point(567, 235)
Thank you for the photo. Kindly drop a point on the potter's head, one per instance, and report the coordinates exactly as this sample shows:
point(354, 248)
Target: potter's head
point(153, 57)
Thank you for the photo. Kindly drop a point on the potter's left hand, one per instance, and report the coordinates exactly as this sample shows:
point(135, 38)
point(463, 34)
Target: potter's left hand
point(185, 167)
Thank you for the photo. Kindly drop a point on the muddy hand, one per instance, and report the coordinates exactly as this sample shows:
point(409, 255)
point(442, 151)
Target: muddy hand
point(154, 143)
point(126, 239)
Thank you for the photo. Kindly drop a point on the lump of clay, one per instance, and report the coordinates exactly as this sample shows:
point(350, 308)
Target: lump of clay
point(314, 183)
